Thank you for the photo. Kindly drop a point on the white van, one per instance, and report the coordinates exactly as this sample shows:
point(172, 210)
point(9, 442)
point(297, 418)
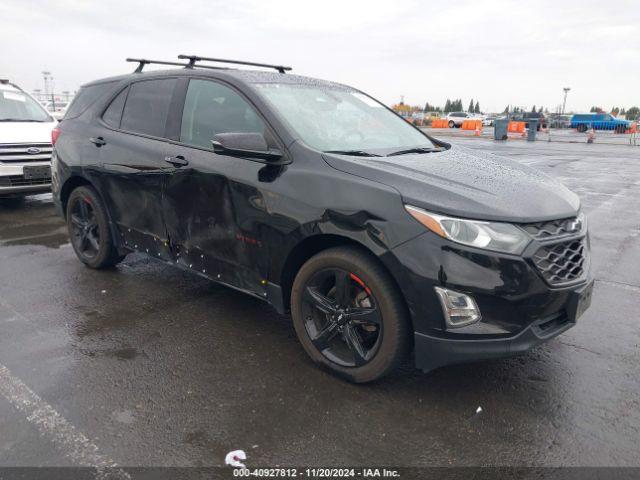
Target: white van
point(25, 142)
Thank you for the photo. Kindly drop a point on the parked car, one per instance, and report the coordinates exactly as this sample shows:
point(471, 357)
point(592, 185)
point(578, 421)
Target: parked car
point(599, 121)
point(316, 198)
point(455, 119)
point(488, 120)
point(526, 116)
point(56, 106)
point(560, 121)
point(25, 143)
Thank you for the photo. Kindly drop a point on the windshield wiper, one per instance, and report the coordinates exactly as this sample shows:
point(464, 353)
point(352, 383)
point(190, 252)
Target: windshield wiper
point(19, 120)
point(415, 150)
point(355, 153)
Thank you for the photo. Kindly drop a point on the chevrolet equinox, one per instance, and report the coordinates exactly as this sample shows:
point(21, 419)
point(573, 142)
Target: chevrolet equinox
point(382, 242)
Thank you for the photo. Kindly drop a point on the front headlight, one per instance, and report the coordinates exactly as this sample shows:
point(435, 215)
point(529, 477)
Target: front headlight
point(498, 236)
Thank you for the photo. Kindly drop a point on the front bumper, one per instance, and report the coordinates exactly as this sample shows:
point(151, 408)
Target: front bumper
point(14, 182)
point(519, 308)
point(433, 352)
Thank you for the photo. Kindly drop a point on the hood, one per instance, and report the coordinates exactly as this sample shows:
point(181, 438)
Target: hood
point(467, 183)
point(26, 132)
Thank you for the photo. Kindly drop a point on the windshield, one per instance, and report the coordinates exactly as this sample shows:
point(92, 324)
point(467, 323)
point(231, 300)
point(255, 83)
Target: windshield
point(334, 119)
point(16, 106)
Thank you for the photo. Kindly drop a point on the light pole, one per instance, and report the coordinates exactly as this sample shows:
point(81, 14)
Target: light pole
point(48, 78)
point(564, 102)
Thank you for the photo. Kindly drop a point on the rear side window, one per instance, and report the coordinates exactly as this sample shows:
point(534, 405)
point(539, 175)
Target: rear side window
point(147, 107)
point(85, 97)
point(113, 114)
point(211, 108)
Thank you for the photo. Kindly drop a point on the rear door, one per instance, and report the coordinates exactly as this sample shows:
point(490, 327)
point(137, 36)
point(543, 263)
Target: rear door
point(133, 153)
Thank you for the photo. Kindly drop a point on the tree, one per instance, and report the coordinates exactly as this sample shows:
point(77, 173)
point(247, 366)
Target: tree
point(633, 113)
point(447, 106)
point(430, 108)
point(471, 106)
point(540, 109)
point(533, 109)
point(506, 109)
point(477, 109)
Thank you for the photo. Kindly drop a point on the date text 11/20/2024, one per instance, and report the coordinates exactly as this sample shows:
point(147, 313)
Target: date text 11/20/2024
point(317, 473)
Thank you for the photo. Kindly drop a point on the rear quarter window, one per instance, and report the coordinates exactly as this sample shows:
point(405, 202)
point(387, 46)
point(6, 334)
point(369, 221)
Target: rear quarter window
point(85, 97)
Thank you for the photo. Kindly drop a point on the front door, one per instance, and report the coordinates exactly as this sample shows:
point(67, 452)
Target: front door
point(214, 208)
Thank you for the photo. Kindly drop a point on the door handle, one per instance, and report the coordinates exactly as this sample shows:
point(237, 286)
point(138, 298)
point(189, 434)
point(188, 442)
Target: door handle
point(97, 141)
point(177, 161)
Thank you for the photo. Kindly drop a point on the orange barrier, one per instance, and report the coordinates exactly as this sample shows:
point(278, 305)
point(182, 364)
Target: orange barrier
point(471, 124)
point(633, 128)
point(516, 127)
point(439, 123)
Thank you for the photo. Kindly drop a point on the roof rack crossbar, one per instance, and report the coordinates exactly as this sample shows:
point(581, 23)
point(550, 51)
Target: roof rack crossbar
point(194, 58)
point(143, 61)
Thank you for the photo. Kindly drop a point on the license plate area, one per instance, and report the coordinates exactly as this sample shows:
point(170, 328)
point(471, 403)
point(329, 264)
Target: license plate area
point(580, 301)
point(37, 172)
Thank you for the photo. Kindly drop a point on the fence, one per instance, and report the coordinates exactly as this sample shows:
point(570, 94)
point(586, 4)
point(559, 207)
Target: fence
point(550, 130)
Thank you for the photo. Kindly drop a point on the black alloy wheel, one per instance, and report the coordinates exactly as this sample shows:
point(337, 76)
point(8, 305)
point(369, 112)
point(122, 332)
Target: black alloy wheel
point(85, 231)
point(349, 314)
point(89, 229)
point(341, 317)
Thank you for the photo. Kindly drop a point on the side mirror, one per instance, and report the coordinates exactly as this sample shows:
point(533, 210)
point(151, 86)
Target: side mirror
point(245, 145)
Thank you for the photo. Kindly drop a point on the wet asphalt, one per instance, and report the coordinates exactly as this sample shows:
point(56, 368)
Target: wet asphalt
point(155, 366)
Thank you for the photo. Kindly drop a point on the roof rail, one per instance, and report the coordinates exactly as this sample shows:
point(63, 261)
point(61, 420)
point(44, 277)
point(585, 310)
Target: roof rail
point(194, 58)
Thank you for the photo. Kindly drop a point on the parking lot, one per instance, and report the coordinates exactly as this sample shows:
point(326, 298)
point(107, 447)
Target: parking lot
point(147, 365)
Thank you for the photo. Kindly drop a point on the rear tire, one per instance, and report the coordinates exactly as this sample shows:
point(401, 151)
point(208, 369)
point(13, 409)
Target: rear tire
point(90, 230)
point(582, 128)
point(451, 124)
point(371, 306)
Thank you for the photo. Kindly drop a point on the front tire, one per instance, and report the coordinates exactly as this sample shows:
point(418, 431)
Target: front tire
point(89, 229)
point(452, 124)
point(349, 315)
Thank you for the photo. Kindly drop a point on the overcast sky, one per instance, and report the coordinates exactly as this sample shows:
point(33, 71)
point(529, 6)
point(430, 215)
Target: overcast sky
point(499, 52)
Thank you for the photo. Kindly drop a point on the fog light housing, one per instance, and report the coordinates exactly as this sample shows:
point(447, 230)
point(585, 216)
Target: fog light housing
point(459, 309)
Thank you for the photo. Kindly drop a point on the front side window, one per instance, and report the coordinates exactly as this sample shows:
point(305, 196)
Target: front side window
point(211, 108)
point(17, 106)
point(334, 118)
point(147, 107)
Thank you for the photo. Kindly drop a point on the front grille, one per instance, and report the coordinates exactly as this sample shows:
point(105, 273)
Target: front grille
point(20, 181)
point(25, 152)
point(563, 263)
point(553, 228)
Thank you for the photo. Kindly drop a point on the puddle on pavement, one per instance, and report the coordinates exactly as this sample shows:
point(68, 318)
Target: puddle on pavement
point(127, 353)
point(95, 322)
point(44, 228)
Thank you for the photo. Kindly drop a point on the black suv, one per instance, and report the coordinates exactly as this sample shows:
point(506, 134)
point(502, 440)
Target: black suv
point(380, 240)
